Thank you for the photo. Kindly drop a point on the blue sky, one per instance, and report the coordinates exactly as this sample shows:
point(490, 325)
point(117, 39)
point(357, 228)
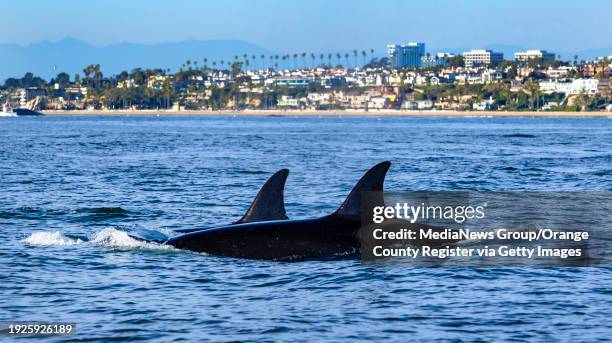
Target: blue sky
point(316, 25)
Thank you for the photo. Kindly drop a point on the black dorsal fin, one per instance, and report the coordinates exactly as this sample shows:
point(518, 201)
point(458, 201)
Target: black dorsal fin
point(269, 204)
point(371, 181)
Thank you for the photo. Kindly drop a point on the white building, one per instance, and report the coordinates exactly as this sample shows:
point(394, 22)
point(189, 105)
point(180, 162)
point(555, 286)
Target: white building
point(577, 86)
point(491, 75)
point(482, 57)
point(288, 101)
point(378, 103)
point(29, 94)
point(555, 73)
point(540, 56)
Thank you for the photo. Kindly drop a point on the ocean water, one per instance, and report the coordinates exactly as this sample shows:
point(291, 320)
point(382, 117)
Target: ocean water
point(70, 185)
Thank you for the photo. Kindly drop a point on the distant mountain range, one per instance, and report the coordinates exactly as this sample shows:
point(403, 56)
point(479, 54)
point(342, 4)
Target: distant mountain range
point(47, 59)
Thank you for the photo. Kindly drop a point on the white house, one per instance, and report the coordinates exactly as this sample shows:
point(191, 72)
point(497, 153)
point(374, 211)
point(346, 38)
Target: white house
point(577, 86)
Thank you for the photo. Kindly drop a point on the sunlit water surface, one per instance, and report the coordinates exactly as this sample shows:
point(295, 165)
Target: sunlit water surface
point(91, 177)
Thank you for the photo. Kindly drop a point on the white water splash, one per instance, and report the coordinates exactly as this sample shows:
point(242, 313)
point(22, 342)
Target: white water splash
point(50, 238)
point(113, 238)
point(106, 238)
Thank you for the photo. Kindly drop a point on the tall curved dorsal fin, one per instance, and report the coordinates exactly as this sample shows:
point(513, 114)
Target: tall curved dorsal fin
point(371, 181)
point(269, 204)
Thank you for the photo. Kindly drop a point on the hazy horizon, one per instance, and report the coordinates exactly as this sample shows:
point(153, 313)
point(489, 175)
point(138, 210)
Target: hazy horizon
point(316, 25)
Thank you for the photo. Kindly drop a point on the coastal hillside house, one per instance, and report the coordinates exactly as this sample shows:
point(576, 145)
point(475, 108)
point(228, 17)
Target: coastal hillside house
point(379, 103)
point(30, 93)
point(292, 82)
point(357, 101)
point(593, 69)
point(484, 105)
point(156, 82)
point(482, 57)
point(421, 105)
point(556, 73)
point(550, 105)
point(577, 86)
point(469, 78)
point(129, 83)
point(537, 56)
point(406, 55)
point(319, 99)
point(75, 92)
point(332, 81)
point(491, 75)
point(287, 101)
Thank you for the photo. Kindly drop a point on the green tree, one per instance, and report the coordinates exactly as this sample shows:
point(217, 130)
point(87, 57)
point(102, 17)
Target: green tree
point(63, 80)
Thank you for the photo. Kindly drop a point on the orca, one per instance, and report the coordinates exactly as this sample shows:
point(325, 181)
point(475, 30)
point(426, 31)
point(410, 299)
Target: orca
point(269, 204)
point(331, 236)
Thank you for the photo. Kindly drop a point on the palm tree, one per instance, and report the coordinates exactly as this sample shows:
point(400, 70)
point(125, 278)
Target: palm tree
point(295, 56)
point(313, 57)
point(533, 89)
point(97, 75)
point(355, 55)
point(371, 54)
point(329, 57)
point(338, 57)
point(363, 54)
point(87, 71)
point(322, 56)
point(346, 56)
point(304, 60)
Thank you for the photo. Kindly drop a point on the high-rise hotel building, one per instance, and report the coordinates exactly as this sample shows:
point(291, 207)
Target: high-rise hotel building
point(406, 55)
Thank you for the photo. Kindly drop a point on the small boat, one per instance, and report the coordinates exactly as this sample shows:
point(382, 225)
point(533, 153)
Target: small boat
point(26, 112)
point(7, 111)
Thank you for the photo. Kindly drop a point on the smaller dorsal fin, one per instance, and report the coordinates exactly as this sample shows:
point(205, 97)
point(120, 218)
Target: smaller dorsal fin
point(371, 181)
point(269, 204)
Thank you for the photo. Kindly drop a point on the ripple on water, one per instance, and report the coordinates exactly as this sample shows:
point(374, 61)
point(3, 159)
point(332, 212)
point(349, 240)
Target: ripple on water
point(70, 185)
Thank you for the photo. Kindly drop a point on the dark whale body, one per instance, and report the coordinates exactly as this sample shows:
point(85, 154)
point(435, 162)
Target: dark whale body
point(334, 235)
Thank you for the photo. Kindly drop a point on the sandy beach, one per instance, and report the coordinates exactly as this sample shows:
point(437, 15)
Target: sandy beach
point(329, 113)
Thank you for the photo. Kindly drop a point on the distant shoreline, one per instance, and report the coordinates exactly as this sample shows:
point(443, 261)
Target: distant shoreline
point(395, 113)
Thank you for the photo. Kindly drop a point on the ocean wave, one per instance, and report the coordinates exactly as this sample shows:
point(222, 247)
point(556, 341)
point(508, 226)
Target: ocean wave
point(50, 238)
